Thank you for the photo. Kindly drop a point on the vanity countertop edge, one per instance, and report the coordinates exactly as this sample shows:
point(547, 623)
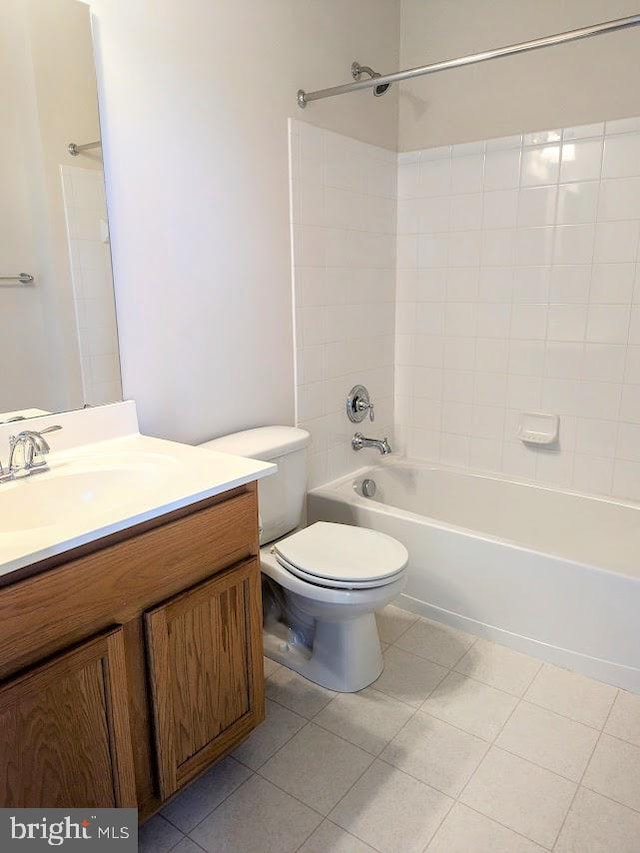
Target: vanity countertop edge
point(194, 475)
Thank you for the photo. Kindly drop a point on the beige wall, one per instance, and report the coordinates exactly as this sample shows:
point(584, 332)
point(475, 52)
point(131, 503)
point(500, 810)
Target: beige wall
point(569, 85)
point(196, 98)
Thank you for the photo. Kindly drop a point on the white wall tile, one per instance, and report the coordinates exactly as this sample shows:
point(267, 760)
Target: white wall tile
point(501, 209)
point(619, 199)
point(502, 169)
point(612, 283)
point(581, 160)
point(574, 244)
point(540, 165)
point(466, 174)
point(537, 206)
point(517, 287)
point(577, 203)
point(616, 242)
point(621, 156)
point(583, 131)
point(608, 324)
point(344, 215)
point(466, 212)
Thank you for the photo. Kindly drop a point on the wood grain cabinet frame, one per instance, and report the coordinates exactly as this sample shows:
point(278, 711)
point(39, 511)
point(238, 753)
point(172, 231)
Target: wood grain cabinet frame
point(205, 657)
point(65, 731)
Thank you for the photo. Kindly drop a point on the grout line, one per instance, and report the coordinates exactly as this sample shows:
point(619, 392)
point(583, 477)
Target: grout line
point(611, 799)
point(208, 815)
point(437, 829)
point(503, 825)
point(584, 773)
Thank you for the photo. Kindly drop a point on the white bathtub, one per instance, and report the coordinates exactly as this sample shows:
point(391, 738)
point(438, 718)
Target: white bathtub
point(553, 574)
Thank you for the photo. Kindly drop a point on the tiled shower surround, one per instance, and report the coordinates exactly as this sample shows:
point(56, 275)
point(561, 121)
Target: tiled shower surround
point(517, 290)
point(344, 238)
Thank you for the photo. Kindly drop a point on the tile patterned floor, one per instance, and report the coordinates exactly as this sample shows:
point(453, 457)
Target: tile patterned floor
point(461, 746)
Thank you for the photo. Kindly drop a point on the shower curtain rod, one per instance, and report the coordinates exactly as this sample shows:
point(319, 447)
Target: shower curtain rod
point(472, 59)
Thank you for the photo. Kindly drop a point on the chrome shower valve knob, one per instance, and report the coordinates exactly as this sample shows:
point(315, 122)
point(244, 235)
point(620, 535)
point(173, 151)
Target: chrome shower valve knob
point(359, 404)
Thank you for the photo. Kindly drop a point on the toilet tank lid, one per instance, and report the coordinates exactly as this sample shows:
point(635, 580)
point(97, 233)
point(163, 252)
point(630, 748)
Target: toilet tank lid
point(264, 443)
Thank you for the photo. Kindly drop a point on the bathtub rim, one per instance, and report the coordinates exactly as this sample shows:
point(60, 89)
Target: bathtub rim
point(333, 488)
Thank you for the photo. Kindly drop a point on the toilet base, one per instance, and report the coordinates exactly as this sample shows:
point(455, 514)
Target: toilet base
point(346, 655)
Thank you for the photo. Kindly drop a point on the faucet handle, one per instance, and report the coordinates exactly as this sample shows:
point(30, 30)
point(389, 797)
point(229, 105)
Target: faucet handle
point(363, 406)
point(52, 428)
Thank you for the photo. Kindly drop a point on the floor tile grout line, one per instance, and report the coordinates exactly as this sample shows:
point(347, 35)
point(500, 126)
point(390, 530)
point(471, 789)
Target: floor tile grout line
point(491, 745)
point(503, 825)
point(472, 677)
point(427, 713)
point(611, 799)
point(621, 739)
point(584, 773)
point(208, 815)
point(369, 755)
point(328, 731)
point(199, 846)
point(289, 794)
point(226, 797)
point(341, 828)
point(566, 716)
point(452, 667)
point(437, 829)
point(315, 829)
point(540, 766)
point(277, 750)
point(425, 658)
point(526, 701)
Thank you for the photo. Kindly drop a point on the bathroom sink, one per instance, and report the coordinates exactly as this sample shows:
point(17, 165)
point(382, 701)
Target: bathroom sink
point(46, 499)
point(91, 491)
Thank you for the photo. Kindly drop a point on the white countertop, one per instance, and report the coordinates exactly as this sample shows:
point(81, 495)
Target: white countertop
point(97, 489)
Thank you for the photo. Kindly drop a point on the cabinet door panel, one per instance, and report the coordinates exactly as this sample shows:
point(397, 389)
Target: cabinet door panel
point(205, 649)
point(66, 731)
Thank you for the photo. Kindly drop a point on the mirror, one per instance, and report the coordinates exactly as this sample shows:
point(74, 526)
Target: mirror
point(58, 334)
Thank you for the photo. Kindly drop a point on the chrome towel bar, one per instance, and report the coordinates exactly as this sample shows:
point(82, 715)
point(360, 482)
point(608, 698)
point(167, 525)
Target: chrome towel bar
point(75, 149)
point(22, 278)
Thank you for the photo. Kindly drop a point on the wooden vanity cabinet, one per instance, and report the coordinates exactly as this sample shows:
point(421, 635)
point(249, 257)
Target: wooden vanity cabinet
point(131, 665)
point(205, 649)
point(65, 730)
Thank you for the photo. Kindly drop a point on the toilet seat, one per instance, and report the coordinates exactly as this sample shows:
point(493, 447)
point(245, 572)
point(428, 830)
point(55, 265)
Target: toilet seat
point(340, 556)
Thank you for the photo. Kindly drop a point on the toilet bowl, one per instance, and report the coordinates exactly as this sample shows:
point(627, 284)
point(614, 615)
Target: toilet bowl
point(321, 584)
point(344, 652)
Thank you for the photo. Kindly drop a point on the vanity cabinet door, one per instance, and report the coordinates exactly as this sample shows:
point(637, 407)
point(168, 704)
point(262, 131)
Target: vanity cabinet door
point(205, 653)
point(65, 731)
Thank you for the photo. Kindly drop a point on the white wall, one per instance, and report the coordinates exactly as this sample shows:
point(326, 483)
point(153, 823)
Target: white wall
point(519, 290)
point(567, 85)
point(195, 102)
point(344, 240)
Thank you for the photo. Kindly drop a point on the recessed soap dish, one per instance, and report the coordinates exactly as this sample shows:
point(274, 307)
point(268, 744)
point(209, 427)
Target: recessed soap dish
point(539, 428)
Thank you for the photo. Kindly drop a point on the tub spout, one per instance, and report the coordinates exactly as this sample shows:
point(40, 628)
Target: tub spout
point(359, 441)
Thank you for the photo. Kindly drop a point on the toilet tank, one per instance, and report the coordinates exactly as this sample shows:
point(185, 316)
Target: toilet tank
point(282, 495)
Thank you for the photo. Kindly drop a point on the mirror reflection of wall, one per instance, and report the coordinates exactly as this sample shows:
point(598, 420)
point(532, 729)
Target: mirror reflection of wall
point(58, 335)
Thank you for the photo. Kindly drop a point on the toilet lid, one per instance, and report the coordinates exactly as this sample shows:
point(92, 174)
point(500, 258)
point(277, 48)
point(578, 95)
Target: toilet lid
point(329, 553)
point(334, 584)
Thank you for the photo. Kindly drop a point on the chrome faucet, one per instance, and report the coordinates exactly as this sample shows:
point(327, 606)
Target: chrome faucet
point(32, 445)
point(359, 441)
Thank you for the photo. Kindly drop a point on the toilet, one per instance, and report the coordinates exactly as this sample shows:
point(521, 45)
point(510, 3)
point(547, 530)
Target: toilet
point(321, 584)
